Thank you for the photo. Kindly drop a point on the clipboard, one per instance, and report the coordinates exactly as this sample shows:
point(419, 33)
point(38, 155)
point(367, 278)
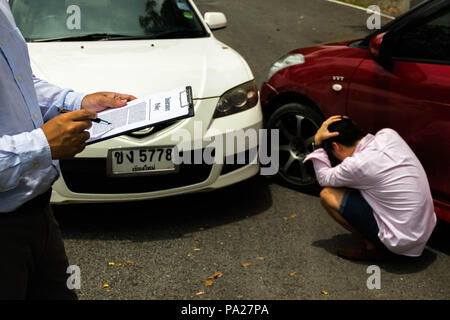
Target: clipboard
point(142, 113)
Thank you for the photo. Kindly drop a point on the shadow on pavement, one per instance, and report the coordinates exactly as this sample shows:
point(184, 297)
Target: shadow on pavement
point(165, 218)
point(440, 239)
point(395, 264)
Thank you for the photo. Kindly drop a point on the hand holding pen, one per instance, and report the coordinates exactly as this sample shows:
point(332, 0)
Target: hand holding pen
point(67, 134)
point(97, 120)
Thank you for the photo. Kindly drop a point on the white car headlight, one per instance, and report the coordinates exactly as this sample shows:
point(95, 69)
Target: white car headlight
point(238, 99)
point(286, 61)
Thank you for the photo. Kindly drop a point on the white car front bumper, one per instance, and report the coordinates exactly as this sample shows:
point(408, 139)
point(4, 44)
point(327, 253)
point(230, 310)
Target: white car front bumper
point(86, 183)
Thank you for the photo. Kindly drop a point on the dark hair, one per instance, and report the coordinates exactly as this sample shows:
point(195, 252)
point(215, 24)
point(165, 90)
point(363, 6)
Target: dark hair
point(349, 134)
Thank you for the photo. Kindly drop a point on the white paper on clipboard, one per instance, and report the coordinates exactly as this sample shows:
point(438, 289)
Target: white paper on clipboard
point(143, 112)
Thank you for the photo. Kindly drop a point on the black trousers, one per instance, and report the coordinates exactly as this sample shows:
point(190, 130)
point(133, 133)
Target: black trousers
point(33, 261)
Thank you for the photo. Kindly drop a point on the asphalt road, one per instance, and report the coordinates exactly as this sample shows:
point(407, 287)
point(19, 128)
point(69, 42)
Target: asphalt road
point(265, 240)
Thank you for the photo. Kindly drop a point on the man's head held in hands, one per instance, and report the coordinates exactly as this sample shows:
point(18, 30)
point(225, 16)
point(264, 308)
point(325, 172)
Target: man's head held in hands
point(343, 145)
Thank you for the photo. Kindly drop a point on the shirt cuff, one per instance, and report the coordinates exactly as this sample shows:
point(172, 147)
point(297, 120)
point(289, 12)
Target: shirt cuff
point(72, 100)
point(38, 154)
point(319, 154)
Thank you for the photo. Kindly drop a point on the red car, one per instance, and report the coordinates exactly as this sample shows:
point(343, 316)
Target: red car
point(398, 77)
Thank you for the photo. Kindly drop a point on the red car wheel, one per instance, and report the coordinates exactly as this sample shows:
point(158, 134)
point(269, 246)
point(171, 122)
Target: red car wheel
point(297, 124)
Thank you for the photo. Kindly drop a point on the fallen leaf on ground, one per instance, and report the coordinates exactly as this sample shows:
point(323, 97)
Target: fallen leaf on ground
point(209, 283)
point(111, 263)
point(106, 285)
point(196, 249)
point(293, 215)
point(246, 264)
point(129, 261)
point(293, 273)
point(260, 258)
point(285, 218)
point(200, 293)
point(324, 292)
point(215, 275)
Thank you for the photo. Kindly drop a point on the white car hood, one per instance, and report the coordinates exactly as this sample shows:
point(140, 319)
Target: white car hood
point(141, 67)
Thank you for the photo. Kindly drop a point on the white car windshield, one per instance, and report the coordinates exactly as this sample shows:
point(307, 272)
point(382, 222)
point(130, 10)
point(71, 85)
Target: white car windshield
point(91, 20)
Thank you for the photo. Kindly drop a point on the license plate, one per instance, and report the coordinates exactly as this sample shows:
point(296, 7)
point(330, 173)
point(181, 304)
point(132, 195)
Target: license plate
point(140, 161)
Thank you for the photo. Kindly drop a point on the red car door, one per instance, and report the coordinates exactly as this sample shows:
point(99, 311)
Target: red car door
point(412, 96)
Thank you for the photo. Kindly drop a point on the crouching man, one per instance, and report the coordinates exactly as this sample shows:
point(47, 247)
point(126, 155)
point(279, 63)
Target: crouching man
point(375, 187)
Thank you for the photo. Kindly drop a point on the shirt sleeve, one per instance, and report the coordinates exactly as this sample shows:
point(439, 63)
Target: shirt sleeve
point(21, 153)
point(345, 174)
point(51, 97)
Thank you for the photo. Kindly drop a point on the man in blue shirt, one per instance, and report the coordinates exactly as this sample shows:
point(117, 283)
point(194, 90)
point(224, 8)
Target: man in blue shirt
point(33, 137)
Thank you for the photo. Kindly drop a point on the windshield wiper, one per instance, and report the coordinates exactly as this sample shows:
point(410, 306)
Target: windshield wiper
point(85, 37)
point(172, 34)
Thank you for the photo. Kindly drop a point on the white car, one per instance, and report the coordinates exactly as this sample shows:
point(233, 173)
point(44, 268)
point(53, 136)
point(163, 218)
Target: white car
point(143, 47)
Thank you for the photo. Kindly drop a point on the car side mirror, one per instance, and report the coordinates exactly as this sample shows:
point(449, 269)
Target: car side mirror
point(379, 49)
point(215, 20)
point(375, 45)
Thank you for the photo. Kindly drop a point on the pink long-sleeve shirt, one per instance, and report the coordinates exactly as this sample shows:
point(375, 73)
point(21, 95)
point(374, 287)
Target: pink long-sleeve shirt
point(393, 182)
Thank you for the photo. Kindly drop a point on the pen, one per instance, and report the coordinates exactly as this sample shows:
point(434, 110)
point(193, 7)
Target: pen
point(97, 120)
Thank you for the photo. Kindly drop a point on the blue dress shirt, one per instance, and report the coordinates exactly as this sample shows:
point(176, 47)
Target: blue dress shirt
point(26, 102)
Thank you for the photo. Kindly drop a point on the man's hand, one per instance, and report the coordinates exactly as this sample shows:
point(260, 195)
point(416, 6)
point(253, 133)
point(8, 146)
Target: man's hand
point(102, 100)
point(66, 133)
point(323, 133)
